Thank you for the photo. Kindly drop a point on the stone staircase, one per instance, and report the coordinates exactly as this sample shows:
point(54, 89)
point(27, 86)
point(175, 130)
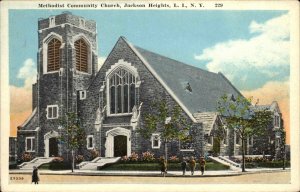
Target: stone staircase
point(38, 161)
point(225, 161)
point(97, 162)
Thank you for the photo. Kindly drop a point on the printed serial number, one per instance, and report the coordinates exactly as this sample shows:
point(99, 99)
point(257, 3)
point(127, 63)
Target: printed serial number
point(218, 4)
point(16, 178)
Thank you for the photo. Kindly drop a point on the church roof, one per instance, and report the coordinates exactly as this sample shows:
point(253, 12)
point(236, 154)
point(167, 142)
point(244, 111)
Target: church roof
point(208, 120)
point(31, 122)
point(198, 90)
point(272, 107)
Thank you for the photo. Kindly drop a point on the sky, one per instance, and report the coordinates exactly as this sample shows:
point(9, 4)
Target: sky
point(251, 48)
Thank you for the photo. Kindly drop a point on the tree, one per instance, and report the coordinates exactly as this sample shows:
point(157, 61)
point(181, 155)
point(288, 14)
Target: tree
point(166, 120)
point(244, 119)
point(282, 146)
point(74, 135)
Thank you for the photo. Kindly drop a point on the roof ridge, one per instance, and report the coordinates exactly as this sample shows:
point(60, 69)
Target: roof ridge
point(162, 82)
point(223, 76)
point(177, 61)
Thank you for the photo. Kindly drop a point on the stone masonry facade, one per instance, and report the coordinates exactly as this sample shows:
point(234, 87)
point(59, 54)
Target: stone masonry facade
point(87, 94)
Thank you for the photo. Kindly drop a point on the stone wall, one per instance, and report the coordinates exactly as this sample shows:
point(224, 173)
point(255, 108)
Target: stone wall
point(149, 91)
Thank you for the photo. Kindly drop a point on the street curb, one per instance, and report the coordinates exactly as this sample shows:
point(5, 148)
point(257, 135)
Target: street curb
point(149, 174)
point(132, 175)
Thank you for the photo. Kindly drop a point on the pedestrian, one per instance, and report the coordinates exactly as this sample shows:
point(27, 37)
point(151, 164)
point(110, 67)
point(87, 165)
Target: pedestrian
point(183, 166)
point(35, 175)
point(192, 165)
point(202, 165)
point(163, 167)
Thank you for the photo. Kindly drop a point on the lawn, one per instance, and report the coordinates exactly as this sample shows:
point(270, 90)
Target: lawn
point(142, 166)
point(56, 166)
point(271, 164)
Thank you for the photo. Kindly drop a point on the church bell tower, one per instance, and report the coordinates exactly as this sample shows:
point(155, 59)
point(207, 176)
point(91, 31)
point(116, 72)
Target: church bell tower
point(67, 62)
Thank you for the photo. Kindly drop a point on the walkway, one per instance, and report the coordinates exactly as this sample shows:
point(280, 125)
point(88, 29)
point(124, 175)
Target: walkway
point(221, 173)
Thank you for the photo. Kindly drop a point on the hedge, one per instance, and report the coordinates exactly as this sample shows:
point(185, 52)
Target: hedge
point(156, 166)
point(271, 164)
point(56, 166)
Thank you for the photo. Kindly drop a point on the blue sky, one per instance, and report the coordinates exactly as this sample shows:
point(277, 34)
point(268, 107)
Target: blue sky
point(251, 48)
point(199, 38)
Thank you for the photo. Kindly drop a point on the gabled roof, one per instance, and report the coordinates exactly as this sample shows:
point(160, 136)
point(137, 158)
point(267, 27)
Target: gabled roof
point(31, 122)
point(208, 119)
point(272, 107)
point(197, 90)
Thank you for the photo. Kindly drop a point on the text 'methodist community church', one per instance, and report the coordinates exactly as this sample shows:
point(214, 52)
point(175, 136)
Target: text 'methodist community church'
point(112, 101)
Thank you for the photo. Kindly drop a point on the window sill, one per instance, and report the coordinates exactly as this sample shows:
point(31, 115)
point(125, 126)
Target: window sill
point(156, 147)
point(51, 72)
point(82, 73)
point(119, 114)
point(52, 118)
point(29, 151)
point(187, 150)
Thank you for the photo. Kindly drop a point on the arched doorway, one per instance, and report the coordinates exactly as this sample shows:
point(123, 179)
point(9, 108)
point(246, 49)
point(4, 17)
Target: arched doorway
point(118, 142)
point(120, 146)
point(53, 147)
point(51, 144)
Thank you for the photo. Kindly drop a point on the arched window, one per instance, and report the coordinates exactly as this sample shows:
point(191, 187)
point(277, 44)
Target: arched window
point(53, 55)
point(81, 50)
point(122, 91)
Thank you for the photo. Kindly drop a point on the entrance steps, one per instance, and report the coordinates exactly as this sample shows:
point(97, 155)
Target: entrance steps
point(225, 161)
point(38, 161)
point(97, 162)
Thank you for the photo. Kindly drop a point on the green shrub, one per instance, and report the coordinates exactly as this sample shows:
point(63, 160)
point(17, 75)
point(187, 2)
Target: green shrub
point(251, 165)
point(273, 164)
point(268, 164)
point(13, 166)
point(56, 166)
point(140, 166)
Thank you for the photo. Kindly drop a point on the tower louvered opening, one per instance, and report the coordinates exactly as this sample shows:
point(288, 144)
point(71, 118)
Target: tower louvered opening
point(53, 55)
point(81, 55)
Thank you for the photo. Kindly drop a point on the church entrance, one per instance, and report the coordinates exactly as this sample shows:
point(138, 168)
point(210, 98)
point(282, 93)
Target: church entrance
point(118, 142)
point(120, 146)
point(53, 147)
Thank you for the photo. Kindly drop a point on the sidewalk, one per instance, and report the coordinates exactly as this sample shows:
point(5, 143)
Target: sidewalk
point(222, 173)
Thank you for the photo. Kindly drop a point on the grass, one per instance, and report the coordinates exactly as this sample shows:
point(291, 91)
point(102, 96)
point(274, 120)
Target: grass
point(56, 166)
point(140, 166)
point(274, 164)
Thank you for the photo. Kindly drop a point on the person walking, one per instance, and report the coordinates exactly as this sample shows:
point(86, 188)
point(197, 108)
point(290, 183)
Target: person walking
point(202, 165)
point(163, 167)
point(192, 165)
point(35, 175)
point(183, 166)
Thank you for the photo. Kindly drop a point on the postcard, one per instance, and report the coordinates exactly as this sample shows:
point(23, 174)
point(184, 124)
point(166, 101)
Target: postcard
point(150, 96)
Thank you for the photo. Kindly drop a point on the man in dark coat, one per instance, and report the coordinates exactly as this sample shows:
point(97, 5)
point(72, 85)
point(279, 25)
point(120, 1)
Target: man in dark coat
point(183, 166)
point(202, 165)
point(35, 175)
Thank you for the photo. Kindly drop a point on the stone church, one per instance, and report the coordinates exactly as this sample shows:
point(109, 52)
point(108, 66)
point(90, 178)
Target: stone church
point(112, 101)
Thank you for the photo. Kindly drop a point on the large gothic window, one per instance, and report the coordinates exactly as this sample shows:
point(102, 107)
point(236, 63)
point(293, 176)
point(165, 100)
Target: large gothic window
point(122, 91)
point(81, 50)
point(53, 55)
